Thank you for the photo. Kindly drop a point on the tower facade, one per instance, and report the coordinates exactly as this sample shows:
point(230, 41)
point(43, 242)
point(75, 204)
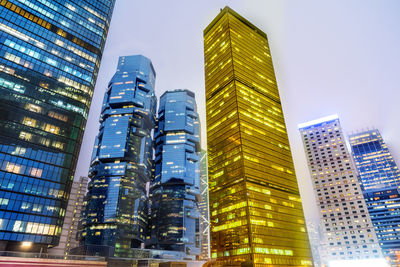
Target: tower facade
point(316, 242)
point(175, 190)
point(73, 213)
point(204, 207)
point(121, 166)
point(345, 221)
point(380, 178)
point(256, 213)
point(50, 53)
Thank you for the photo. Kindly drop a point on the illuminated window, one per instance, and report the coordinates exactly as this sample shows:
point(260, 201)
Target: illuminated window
point(44, 141)
point(25, 205)
point(58, 145)
point(58, 116)
point(33, 108)
point(29, 121)
point(36, 172)
point(37, 207)
point(25, 136)
point(12, 167)
point(4, 201)
point(52, 129)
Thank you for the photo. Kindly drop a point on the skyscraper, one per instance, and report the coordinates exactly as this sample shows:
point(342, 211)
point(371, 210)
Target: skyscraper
point(316, 242)
point(50, 53)
point(175, 190)
point(256, 213)
point(72, 217)
point(116, 213)
point(345, 222)
point(380, 178)
point(204, 207)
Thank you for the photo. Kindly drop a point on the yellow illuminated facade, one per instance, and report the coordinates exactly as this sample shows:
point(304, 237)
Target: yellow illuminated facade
point(255, 207)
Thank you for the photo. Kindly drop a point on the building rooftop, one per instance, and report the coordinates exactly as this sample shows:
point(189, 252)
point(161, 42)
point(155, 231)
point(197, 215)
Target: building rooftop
point(319, 121)
point(187, 91)
point(363, 133)
point(229, 10)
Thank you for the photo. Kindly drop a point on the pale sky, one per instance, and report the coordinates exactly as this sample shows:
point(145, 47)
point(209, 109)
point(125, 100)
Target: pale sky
point(331, 57)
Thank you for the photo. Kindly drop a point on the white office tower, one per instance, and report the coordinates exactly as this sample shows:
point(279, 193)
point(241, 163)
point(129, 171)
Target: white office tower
point(72, 217)
point(316, 242)
point(347, 229)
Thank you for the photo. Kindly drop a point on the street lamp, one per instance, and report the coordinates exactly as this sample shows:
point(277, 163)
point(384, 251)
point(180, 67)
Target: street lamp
point(26, 244)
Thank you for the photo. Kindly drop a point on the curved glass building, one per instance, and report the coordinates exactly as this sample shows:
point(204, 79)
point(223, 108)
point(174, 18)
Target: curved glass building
point(50, 53)
point(117, 201)
point(175, 190)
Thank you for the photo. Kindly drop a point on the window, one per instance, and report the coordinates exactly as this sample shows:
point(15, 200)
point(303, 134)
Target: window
point(12, 167)
point(58, 116)
point(29, 122)
point(52, 129)
point(33, 108)
point(36, 172)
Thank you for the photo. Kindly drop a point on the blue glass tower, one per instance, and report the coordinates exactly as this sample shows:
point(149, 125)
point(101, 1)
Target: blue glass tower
point(175, 190)
point(50, 53)
point(117, 201)
point(380, 178)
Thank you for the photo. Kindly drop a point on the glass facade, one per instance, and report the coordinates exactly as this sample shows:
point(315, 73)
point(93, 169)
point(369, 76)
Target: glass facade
point(50, 53)
point(117, 200)
point(380, 178)
point(256, 213)
point(204, 207)
point(175, 190)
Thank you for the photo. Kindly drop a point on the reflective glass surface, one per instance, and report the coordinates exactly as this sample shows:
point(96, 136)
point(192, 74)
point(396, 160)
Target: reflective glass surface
point(380, 178)
point(256, 214)
point(175, 189)
point(117, 201)
point(50, 53)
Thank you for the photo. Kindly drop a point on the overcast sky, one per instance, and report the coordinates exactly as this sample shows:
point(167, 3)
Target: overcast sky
point(331, 57)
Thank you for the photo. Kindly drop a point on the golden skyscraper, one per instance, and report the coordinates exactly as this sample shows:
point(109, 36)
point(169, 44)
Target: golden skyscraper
point(256, 212)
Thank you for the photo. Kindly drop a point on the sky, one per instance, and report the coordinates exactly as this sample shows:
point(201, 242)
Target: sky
point(330, 57)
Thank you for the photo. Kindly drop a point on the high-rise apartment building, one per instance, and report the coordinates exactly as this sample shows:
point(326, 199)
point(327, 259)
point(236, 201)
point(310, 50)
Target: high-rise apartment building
point(256, 213)
point(204, 207)
point(175, 190)
point(346, 225)
point(68, 238)
point(50, 53)
point(380, 178)
point(121, 166)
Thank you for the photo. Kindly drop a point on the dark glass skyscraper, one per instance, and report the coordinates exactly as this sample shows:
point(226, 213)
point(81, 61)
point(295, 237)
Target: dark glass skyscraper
point(117, 201)
point(175, 190)
point(50, 53)
point(380, 178)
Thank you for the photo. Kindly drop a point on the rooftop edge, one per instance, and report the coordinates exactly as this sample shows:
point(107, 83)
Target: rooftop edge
point(227, 10)
point(318, 121)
